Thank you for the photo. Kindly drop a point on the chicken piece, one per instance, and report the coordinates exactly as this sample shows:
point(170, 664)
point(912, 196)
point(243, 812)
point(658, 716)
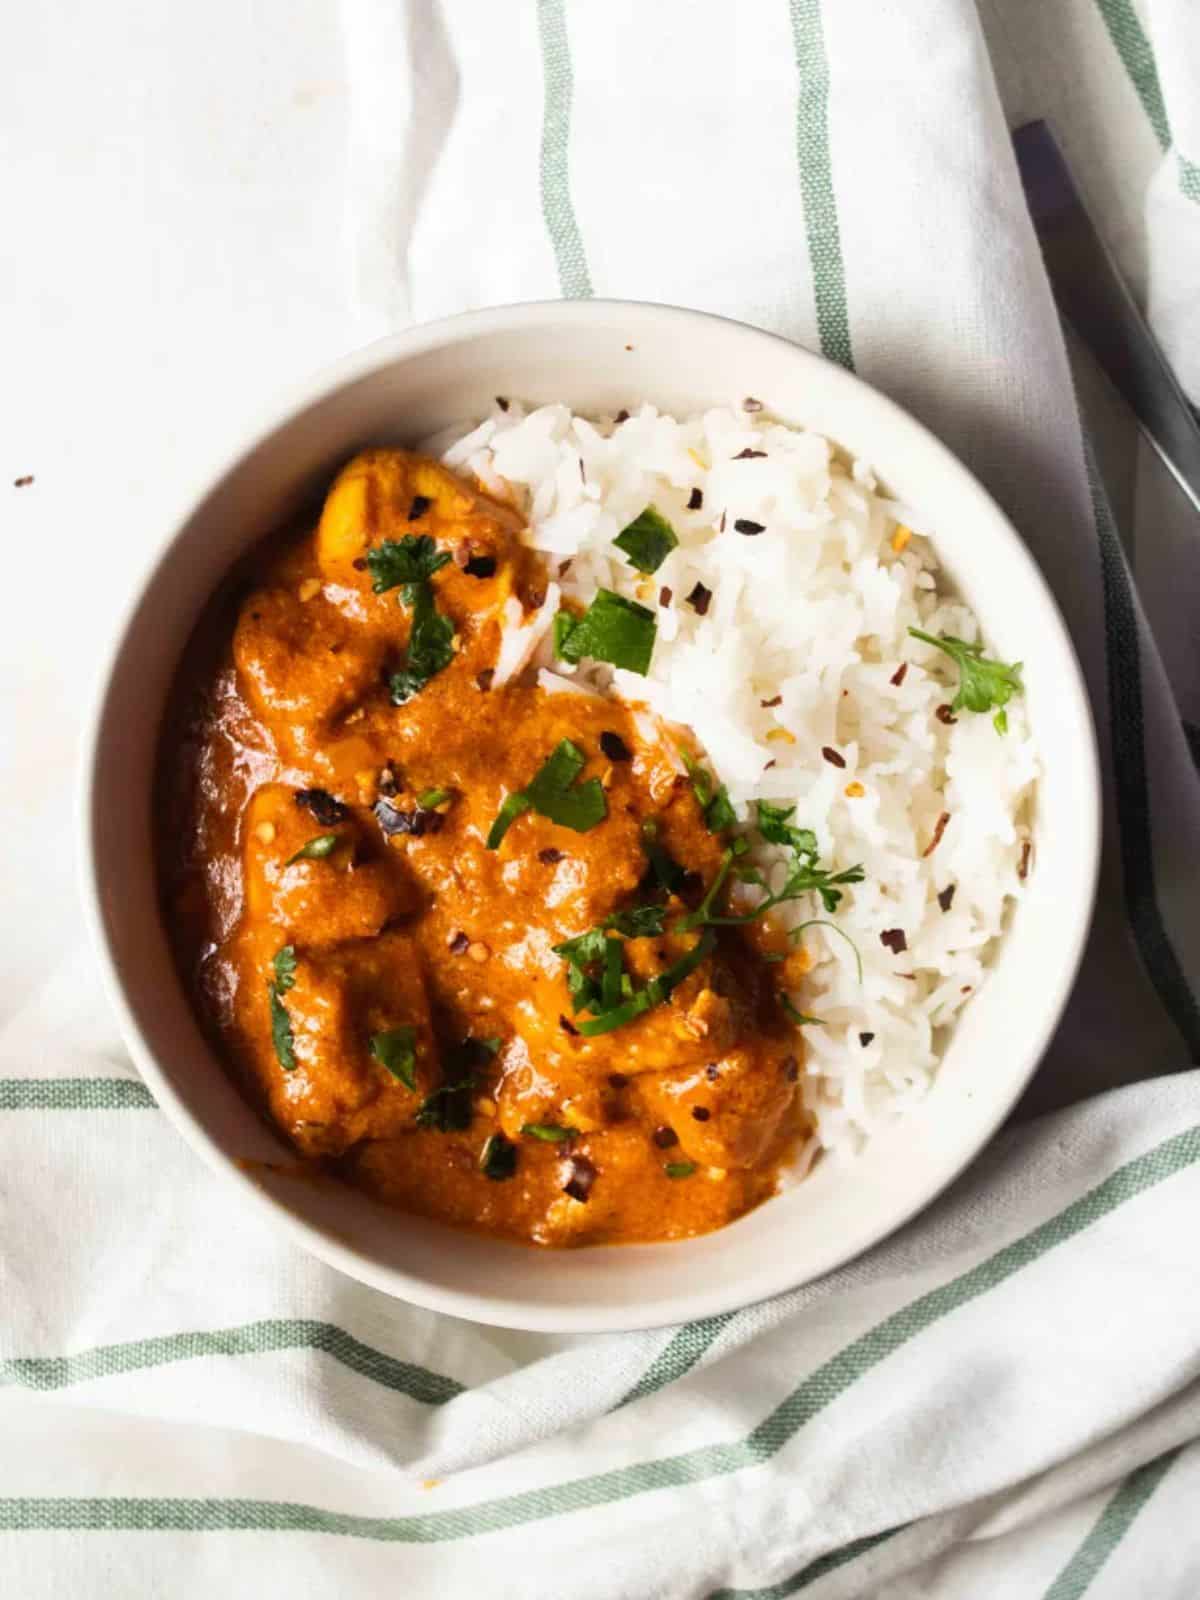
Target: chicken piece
point(338, 1091)
point(388, 494)
point(300, 663)
point(729, 1114)
point(323, 900)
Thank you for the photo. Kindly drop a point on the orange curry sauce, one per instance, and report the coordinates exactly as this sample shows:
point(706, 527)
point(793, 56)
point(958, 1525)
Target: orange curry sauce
point(405, 925)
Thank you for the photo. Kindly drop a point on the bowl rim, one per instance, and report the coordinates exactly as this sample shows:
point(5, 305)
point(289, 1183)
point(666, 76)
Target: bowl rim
point(487, 1308)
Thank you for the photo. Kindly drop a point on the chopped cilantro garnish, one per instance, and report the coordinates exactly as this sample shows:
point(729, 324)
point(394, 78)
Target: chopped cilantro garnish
point(679, 1169)
point(284, 964)
point(547, 1132)
point(413, 559)
point(554, 794)
point(316, 849)
point(430, 798)
point(396, 1049)
point(448, 1108)
point(498, 1158)
point(797, 1016)
point(430, 644)
point(642, 922)
point(982, 684)
point(713, 800)
point(612, 629)
point(804, 875)
point(666, 869)
point(652, 994)
point(647, 541)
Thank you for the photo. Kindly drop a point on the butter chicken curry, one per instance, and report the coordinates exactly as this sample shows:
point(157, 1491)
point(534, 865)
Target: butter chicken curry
point(462, 940)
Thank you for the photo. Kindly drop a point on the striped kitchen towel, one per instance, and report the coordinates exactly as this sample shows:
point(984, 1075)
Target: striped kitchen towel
point(1004, 1399)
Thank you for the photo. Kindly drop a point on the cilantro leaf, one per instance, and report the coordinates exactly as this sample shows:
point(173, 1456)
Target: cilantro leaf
point(982, 684)
point(804, 874)
point(715, 804)
point(284, 964)
point(554, 794)
point(396, 1049)
point(679, 1169)
point(641, 922)
point(666, 869)
point(498, 1158)
point(429, 799)
point(547, 1132)
point(316, 849)
point(774, 823)
point(413, 559)
point(798, 1016)
point(647, 541)
point(448, 1108)
point(652, 994)
point(430, 644)
point(612, 629)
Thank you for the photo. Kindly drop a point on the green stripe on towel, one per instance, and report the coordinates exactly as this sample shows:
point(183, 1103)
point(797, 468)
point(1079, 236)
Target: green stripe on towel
point(1114, 1523)
point(818, 1391)
point(75, 1094)
point(816, 182)
point(251, 1338)
point(1137, 56)
point(558, 82)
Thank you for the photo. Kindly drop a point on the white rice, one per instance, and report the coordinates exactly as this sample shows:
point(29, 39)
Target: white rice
point(814, 610)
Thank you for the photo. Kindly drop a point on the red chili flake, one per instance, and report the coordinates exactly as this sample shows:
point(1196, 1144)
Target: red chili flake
point(791, 1069)
point(502, 402)
point(359, 563)
point(744, 525)
point(767, 704)
point(614, 747)
point(550, 857)
point(629, 347)
point(769, 764)
point(834, 758)
point(483, 680)
point(938, 830)
point(751, 404)
point(897, 677)
point(565, 566)
point(417, 823)
point(481, 567)
point(864, 1039)
point(712, 1072)
point(946, 897)
point(695, 500)
point(458, 943)
point(944, 714)
point(535, 599)
point(665, 1137)
point(700, 599)
point(1023, 864)
point(894, 939)
point(568, 1026)
point(701, 1113)
point(23, 483)
point(618, 1080)
point(623, 415)
point(721, 525)
point(749, 455)
point(966, 989)
point(420, 505)
point(664, 596)
point(581, 1175)
point(325, 809)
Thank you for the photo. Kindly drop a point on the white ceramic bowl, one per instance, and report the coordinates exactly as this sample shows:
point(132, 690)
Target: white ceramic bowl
point(594, 355)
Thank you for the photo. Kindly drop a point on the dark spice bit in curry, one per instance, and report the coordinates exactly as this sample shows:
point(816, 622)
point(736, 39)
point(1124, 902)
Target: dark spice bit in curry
point(550, 857)
point(700, 599)
point(894, 939)
point(483, 680)
point(580, 1175)
point(458, 943)
point(944, 714)
point(614, 747)
point(359, 563)
point(898, 677)
point(712, 1071)
point(388, 783)
point(420, 505)
point(695, 500)
point(791, 1069)
point(749, 528)
point(665, 1137)
point(328, 811)
point(946, 896)
point(498, 1158)
point(416, 822)
point(568, 1026)
point(481, 567)
point(618, 1080)
point(701, 1113)
point(834, 757)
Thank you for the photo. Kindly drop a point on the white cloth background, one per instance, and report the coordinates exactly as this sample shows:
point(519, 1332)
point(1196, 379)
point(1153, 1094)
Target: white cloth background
point(201, 206)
